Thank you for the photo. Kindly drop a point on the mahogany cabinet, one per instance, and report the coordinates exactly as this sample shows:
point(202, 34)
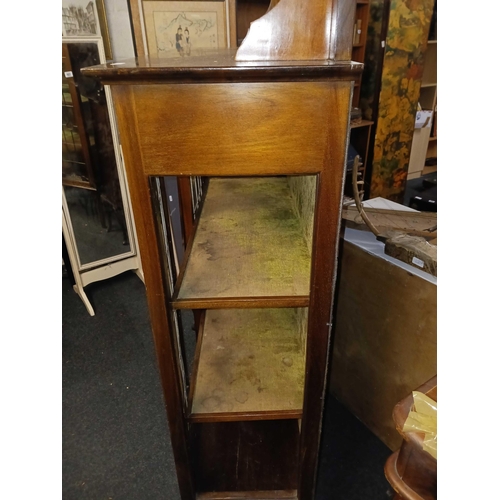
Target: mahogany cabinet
point(268, 127)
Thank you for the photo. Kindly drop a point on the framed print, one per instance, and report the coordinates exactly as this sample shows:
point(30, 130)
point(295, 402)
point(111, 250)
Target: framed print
point(80, 18)
point(171, 28)
point(86, 18)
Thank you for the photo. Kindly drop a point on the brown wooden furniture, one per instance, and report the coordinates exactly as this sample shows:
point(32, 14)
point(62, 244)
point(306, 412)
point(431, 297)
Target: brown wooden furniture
point(269, 127)
point(360, 32)
point(412, 471)
point(385, 331)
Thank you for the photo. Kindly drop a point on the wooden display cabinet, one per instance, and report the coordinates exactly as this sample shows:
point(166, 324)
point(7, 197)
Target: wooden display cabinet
point(267, 126)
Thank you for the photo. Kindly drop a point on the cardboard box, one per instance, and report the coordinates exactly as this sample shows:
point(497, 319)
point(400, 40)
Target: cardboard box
point(423, 119)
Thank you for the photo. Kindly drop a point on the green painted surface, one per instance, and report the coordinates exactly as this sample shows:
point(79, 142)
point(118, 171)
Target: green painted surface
point(303, 189)
point(248, 243)
point(302, 314)
point(250, 360)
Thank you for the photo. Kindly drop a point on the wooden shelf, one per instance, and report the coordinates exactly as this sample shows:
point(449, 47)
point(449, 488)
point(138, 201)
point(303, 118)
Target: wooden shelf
point(77, 184)
point(429, 170)
point(362, 123)
point(250, 364)
point(248, 249)
point(429, 75)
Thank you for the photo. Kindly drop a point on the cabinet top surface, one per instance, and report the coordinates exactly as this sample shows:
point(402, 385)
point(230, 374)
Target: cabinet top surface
point(219, 66)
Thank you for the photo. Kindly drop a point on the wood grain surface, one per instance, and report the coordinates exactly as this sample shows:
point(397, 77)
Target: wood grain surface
point(228, 130)
point(233, 129)
point(391, 219)
point(298, 30)
point(219, 66)
point(323, 276)
point(385, 338)
point(135, 17)
point(245, 456)
point(156, 289)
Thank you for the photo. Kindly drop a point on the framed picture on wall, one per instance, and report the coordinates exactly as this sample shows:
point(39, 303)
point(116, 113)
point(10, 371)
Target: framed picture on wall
point(86, 18)
point(172, 28)
point(80, 18)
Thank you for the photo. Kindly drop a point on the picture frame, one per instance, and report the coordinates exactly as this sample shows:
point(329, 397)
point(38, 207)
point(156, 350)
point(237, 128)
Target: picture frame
point(173, 28)
point(86, 18)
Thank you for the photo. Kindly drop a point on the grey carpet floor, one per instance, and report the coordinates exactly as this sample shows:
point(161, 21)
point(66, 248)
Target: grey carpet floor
point(115, 431)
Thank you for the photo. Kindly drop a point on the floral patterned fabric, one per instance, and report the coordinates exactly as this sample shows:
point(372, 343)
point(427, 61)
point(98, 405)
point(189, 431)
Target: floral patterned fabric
point(406, 41)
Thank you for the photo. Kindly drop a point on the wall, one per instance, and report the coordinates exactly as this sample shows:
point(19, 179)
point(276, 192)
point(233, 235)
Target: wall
point(120, 30)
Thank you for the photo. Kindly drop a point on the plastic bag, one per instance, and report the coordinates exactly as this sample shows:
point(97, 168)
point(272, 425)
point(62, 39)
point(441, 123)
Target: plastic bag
point(423, 418)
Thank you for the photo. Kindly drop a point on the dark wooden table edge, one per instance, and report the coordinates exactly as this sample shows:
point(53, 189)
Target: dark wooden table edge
point(233, 74)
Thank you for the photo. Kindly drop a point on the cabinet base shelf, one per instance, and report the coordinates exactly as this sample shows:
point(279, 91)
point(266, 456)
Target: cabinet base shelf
point(237, 457)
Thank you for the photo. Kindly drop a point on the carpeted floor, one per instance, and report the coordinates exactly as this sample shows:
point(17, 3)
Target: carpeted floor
point(115, 432)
